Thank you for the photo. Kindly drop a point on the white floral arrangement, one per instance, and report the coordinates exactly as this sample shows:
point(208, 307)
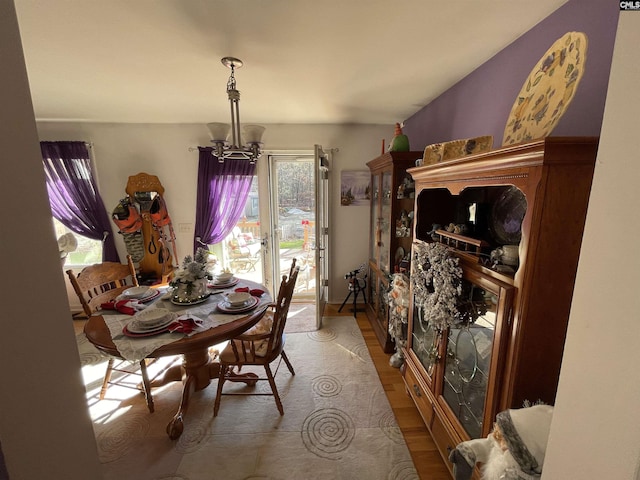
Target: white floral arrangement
point(193, 269)
point(436, 282)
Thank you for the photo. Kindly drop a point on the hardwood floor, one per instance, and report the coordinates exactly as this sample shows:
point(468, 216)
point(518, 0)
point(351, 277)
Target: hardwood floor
point(424, 452)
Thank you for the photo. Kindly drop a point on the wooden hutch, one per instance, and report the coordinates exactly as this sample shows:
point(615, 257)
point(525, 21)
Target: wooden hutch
point(533, 195)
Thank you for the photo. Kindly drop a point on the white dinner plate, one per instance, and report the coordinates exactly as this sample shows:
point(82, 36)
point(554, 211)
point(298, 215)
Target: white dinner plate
point(224, 306)
point(136, 292)
point(230, 283)
point(136, 327)
point(153, 293)
point(152, 317)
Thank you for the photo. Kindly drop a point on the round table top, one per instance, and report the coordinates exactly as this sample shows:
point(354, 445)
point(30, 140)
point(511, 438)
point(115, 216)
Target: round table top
point(98, 334)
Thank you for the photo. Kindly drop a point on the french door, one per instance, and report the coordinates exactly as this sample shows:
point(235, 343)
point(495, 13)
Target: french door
point(299, 214)
point(292, 220)
point(321, 168)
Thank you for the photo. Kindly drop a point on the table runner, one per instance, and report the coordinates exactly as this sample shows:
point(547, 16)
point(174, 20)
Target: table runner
point(135, 349)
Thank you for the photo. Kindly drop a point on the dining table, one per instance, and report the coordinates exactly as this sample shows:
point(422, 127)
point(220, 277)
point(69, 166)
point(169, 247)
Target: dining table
point(106, 330)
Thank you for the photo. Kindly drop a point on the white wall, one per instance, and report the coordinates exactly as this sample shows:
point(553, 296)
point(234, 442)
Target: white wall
point(121, 150)
point(596, 427)
point(45, 428)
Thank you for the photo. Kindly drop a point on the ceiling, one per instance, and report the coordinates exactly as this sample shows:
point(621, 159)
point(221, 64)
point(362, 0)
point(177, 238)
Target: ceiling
point(305, 61)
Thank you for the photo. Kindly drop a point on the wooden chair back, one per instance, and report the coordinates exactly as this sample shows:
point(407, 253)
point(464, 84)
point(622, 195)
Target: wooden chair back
point(102, 282)
point(285, 293)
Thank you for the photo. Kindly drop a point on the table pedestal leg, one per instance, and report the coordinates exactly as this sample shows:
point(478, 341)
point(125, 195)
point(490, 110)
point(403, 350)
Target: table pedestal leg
point(173, 374)
point(198, 372)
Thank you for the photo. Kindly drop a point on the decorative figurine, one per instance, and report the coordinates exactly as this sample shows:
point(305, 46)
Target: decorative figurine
point(400, 142)
point(514, 450)
point(398, 298)
point(432, 233)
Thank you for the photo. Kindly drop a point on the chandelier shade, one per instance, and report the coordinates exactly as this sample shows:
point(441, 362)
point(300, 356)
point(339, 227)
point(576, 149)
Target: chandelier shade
point(227, 138)
point(253, 133)
point(219, 131)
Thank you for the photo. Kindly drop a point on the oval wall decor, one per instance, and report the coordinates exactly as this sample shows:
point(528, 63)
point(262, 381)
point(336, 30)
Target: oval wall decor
point(548, 90)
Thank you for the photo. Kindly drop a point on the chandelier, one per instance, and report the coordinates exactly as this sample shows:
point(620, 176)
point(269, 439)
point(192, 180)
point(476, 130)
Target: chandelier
point(225, 147)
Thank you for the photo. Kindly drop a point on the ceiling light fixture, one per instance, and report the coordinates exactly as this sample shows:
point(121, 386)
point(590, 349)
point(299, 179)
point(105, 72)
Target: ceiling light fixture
point(233, 148)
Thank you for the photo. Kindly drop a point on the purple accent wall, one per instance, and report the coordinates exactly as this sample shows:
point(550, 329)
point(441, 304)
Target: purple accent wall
point(480, 103)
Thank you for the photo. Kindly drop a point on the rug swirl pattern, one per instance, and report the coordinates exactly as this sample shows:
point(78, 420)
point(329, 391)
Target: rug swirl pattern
point(337, 422)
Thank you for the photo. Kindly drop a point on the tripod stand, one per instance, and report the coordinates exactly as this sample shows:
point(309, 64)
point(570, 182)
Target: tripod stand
point(356, 285)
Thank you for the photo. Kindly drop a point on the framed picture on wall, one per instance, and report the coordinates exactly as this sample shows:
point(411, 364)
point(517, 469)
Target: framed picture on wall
point(355, 187)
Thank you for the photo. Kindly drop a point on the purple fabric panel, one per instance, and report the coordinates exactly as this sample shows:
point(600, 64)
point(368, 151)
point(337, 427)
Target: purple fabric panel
point(73, 194)
point(480, 103)
point(223, 189)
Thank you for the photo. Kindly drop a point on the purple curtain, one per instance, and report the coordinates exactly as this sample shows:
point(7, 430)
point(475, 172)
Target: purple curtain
point(223, 189)
point(73, 194)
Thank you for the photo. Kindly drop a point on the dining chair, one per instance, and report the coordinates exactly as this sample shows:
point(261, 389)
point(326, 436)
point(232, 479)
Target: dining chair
point(102, 283)
point(259, 346)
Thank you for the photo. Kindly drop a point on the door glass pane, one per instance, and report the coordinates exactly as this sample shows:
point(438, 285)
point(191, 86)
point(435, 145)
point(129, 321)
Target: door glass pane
point(468, 357)
point(296, 222)
point(385, 223)
point(322, 253)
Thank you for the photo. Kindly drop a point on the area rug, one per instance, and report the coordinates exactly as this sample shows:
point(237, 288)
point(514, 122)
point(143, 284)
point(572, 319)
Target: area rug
point(337, 423)
point(301, 318)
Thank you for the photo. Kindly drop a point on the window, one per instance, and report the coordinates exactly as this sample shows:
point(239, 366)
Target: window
point(88, 252)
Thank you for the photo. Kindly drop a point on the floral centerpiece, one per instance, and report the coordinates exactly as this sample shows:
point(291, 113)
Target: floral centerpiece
point(190, 283)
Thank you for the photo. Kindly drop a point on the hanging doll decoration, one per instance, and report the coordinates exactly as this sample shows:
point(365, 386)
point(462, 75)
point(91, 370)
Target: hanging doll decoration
point(398, 316)
point(514, 450)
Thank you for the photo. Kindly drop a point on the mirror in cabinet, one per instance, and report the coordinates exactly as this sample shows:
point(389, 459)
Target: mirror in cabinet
point(482, 223)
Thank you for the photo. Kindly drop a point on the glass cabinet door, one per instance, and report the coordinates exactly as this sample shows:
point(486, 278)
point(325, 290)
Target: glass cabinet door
point(470, 347)
point(374, 219)
point(383, 303)
point(425, 341)
point(373, 291)
point(385, 222)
